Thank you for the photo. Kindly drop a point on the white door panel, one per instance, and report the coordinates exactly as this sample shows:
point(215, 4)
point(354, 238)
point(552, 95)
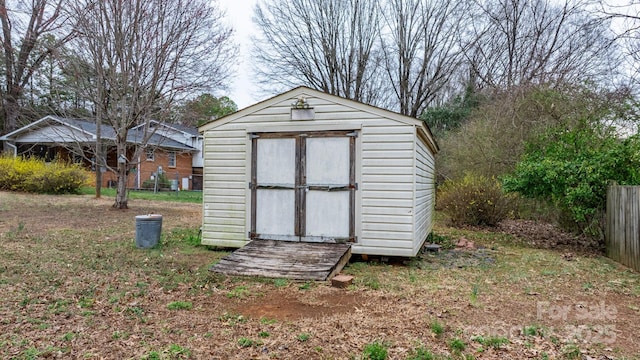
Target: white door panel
point(275, 213)
point(327, 214)
point(275, 208)
point(276, 162)
point(327, 161)
point(309, 200)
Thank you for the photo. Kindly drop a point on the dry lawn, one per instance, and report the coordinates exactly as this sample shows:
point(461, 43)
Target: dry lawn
point(73, 285)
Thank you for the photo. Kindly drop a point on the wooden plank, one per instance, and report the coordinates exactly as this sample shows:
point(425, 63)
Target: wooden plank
point(607, 225)
point(633, 260)
point(622, 233)
point(630, 227)
point(613, 224)
point(278, 259)
point(270, 249)
point(255, 253)
point(341, 263)
point(616, 224)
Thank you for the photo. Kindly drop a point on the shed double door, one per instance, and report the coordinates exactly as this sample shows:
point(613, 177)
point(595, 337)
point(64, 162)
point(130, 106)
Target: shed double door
point(303, 186)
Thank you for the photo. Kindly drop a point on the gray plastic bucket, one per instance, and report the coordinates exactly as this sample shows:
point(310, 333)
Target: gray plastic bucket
point(148, 229)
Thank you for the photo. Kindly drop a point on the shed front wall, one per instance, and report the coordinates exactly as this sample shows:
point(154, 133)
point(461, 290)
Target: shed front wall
point(385, 173)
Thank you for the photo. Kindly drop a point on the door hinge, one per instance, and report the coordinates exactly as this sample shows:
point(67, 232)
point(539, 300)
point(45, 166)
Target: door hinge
point(250, 186)
point(353, 134)
point(253, 136)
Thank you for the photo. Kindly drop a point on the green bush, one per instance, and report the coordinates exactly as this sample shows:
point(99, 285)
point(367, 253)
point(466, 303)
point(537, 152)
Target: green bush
point(571, 168)
point(474, 200)
point(33, 175)
point(163, 183)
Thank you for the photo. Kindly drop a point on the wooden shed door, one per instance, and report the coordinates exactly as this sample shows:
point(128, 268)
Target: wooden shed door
point(303, 186)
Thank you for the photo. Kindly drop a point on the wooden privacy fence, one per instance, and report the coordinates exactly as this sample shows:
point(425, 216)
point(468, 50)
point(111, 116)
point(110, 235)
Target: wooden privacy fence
point(622, 232)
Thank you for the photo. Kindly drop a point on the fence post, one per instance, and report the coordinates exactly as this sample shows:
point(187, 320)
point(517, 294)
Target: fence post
point(622, 228)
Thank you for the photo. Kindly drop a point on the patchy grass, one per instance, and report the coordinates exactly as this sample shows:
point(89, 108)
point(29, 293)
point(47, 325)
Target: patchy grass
point(180, 305)
point(491, 341)
point(187, 196)
point(436, 328)
point(73, 284)
point(375, 351)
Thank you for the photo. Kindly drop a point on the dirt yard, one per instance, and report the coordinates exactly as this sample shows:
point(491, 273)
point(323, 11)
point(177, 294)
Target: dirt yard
point(74, 286)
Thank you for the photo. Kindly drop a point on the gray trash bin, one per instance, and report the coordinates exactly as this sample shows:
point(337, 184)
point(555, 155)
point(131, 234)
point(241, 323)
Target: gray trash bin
point(148, 229)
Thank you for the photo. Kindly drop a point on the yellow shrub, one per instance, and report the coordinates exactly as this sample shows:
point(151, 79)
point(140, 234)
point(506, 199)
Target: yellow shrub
point(33, 175)
point(91, 179)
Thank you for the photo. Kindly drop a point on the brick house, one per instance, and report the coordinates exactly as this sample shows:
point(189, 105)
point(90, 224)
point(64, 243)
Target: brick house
point(174, 163)
point(173, 150)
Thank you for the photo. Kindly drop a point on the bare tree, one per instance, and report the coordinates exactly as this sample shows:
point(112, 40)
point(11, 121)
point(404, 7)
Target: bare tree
point(624, 19)
point(421, 50)
point(328, 45)
point(519, 42)
point(24, 23)
point(145, 54)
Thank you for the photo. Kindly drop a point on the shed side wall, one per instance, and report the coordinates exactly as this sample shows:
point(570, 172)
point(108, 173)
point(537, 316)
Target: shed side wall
point(425, 193)
point(386, 189)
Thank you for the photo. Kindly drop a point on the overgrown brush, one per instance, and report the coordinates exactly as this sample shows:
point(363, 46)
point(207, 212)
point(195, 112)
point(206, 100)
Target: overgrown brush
point(475, 200)
point(36, 176)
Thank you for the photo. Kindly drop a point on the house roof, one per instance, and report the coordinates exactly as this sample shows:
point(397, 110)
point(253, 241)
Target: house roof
point(186, 129)
point(89, 128)
point(305, 91)
point(182, 128)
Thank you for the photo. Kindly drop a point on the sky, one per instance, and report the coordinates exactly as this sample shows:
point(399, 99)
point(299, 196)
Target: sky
point(239, 13)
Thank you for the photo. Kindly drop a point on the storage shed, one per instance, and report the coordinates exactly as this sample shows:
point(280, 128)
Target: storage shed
point(312, 167)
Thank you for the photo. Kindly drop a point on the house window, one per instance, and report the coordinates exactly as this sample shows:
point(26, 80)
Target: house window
point(172, 158)
point(151, 156)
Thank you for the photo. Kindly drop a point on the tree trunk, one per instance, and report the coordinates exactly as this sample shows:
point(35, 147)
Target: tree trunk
point(98, 162)
point(98, 156)
point(121, 191)
point(11, 112)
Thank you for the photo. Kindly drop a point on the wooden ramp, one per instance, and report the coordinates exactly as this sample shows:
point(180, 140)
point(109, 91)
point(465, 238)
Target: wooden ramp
point(284, 259)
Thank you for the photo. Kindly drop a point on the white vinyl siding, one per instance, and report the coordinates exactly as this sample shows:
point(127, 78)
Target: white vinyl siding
point(224, 198)
point(424, 192)
point(394, 172)
point(54, 134)
point(386, 190)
